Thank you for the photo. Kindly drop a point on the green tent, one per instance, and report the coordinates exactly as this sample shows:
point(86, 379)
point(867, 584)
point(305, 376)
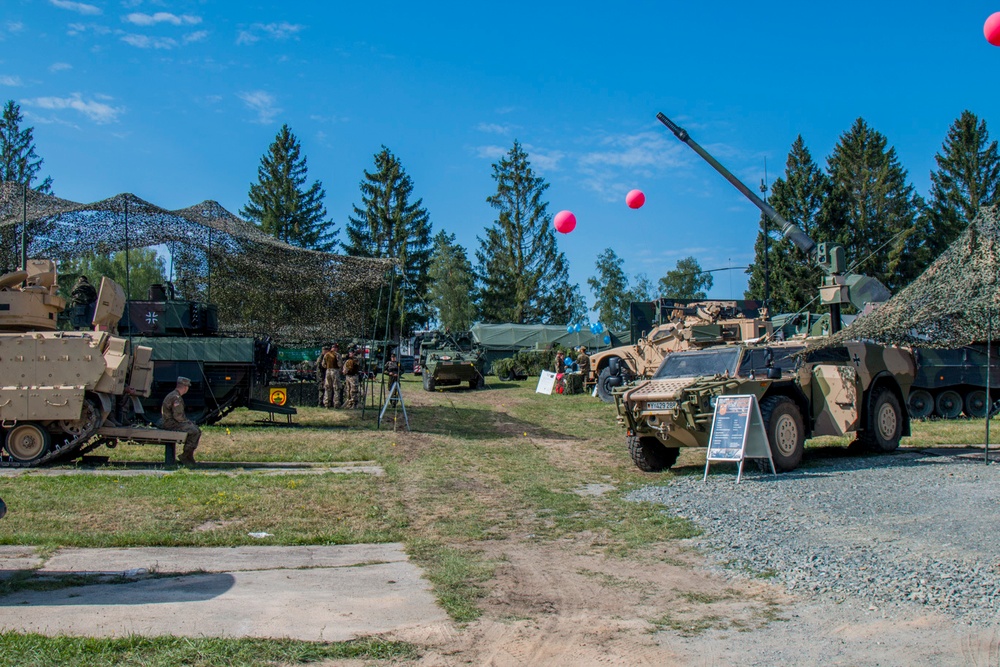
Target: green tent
point(500, 341)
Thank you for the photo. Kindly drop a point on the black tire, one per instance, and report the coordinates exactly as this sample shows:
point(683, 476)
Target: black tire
point(474, 383)
point(27, 442)
point(948, 404)
point(509, 377)
point(920, 404)
point(885, 422)
point(428, 382)
point(603, 386)
point(976, 403)
point(650, 455)
point(786, 433)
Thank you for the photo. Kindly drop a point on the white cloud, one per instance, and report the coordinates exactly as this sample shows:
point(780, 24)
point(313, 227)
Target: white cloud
point(78, 28)
point(544, 160)
point(196, 36)
point(147, 42)
point(98, 112)
point(60, 67)
point(490, 152)
point(139, 18)
point(78, 7)
point(263, 103)
point(13, 81)
point(14, 26)
point(279, 31)
point(493, 128)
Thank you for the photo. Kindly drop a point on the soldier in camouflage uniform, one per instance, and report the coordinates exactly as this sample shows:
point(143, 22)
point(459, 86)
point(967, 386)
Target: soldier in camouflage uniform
point(332, 384)
point(321, 375)
point(175, 419)
point(353, 389)
point(583, 361)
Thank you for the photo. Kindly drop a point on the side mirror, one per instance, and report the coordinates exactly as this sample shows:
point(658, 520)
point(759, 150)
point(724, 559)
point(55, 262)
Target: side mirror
point(614, 367)
point(774, 373)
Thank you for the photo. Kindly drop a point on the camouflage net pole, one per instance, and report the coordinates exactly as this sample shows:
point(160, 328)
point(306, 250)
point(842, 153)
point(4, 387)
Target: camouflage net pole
point(261, 285)
point(950, 305)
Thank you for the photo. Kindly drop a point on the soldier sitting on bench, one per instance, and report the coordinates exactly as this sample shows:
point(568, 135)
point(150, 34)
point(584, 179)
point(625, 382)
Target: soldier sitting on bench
point(175, 419)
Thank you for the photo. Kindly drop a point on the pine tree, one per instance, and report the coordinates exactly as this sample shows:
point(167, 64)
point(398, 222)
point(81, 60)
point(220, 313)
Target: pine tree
point(452, 284)
point(686, 281)
point(967, 177)
point(522, 275)
point(389, 224)
point(872, 210)
point(18, 161)
point(794, 277)
point(611, 291)
point(281, 204)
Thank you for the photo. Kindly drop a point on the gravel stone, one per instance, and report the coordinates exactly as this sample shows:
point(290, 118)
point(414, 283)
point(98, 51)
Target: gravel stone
point(908, 528)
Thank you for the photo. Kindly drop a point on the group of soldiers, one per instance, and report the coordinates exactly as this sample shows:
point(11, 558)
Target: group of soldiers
point(338, 378)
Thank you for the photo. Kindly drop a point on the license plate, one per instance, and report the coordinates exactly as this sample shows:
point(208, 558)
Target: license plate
point(661, 405)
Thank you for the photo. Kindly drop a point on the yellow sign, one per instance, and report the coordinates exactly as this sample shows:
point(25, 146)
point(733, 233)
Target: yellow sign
point(278, 395)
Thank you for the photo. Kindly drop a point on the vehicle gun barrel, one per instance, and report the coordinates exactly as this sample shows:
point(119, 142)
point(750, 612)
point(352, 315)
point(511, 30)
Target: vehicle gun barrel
point(791, 231)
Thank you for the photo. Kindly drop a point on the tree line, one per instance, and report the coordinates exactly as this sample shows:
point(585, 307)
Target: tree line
point(862, 200)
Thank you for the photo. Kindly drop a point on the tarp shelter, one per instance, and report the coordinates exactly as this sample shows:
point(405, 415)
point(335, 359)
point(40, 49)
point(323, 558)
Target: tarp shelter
point(261, 285)
point(500, 341)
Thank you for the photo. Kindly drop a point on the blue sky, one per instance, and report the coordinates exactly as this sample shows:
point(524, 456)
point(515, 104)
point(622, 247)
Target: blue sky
point(176, 101)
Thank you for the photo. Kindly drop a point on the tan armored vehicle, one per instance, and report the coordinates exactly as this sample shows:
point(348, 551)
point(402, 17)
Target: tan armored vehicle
point(59, 388)
point(856, 388)
point(688, 325)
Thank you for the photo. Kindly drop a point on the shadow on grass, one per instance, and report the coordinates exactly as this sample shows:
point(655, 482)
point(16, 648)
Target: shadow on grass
point(477, 424)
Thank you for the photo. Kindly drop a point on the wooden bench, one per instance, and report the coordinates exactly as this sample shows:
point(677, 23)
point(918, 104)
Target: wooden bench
point(148, 436)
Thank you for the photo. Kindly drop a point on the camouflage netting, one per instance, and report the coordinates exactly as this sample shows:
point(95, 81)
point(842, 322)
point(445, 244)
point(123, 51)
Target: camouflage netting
point(951, 304)
point(260, 285)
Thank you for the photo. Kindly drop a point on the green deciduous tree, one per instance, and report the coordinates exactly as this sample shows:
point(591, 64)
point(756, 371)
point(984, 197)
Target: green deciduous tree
point(685, 281)
point(281, 203)
point(389, 223)
point(522, 275)
point(872, 210)
point(610, 287)
point(967, 177)
point(794, 277)
point(452, 284)
point(145, 268)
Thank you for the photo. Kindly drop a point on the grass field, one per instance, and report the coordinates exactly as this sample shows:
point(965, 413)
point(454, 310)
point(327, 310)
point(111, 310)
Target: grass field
point(476, 466)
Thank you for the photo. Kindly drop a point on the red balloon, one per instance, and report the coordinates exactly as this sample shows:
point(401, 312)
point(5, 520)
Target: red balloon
point(635, 199)
point(991, 29)
point(565, 222)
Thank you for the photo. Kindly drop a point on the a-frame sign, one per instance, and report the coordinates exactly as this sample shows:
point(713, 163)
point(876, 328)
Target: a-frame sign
point(737, 433)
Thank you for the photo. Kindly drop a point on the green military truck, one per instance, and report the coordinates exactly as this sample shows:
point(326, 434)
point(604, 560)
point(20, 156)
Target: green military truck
point(449, 360)
point(854, 388)
point(949, 383)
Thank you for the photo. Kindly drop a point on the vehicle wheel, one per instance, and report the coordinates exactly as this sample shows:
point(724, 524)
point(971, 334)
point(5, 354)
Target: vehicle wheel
point(27, 442)
point(474, 383)
point(605, 384)
point(976, 403)
point(428, 382)
point(86, 425)
point(949, 404)
point(650, 455)
point(786, 433)
point(885, 422)
point(920, 404)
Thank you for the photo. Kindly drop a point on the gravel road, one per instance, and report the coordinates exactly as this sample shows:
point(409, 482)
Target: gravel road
point(912, 528)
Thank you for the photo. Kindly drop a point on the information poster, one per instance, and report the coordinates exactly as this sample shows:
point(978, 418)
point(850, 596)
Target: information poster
point(737, 433)
point(546, 381)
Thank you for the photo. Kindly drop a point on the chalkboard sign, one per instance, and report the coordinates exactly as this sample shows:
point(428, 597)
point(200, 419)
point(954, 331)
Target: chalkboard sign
point(737, 433)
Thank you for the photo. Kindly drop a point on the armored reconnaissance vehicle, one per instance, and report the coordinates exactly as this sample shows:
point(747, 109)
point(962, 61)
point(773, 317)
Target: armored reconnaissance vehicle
point(949, 383)
point(680, 325)
point(61, 388)
point(224, 370)
point(449, 360)
point(857, 388)
point(854, 388)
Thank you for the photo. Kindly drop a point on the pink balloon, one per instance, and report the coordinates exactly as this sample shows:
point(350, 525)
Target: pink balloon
point(991, 29)
point(565, 222)
point(635, 199)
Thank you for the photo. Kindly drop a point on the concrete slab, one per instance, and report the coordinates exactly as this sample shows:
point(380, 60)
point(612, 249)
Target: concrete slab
point(183, 560)
point(335, 601)
point(16, 558)
point(208, 468)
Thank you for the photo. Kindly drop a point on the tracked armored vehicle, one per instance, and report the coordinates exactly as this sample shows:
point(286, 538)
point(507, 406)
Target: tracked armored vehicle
point(451, 360)
point(60, 388)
